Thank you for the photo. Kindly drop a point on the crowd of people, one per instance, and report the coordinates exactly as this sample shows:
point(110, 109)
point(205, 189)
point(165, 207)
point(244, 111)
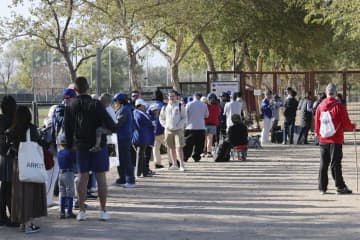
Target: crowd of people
point(312, 110)
point(75, 133)
point(190, 128)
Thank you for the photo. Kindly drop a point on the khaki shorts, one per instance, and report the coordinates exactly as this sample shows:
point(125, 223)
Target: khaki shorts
point(174, 138)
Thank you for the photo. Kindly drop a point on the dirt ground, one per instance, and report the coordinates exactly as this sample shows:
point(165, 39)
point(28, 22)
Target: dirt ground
point(273, 195)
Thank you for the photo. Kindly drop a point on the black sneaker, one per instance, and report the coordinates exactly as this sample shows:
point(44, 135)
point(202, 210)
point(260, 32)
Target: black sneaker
point(159, 166)
point(32, 229)
point(62, 215)
point(146, 175)
point(344, 190)
point(95, 149)
point(178, 162)
point(71, 215)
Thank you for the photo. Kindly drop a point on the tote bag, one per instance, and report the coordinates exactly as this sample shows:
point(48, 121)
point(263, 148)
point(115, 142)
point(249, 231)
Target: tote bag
point(31, 161)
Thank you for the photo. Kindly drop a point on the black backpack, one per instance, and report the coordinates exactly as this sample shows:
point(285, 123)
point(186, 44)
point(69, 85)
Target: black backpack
point(84, 122)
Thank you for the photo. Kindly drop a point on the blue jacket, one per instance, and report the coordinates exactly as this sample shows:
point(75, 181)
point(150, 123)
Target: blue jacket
point(266, 108)
point(159, 129)
point(124, 128)
point(143, 129)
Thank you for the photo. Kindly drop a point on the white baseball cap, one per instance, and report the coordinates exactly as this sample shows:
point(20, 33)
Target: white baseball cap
point(140, 102)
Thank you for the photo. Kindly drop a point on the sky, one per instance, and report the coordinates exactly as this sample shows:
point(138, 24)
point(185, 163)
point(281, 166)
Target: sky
point(5, 11)
point(155, 59)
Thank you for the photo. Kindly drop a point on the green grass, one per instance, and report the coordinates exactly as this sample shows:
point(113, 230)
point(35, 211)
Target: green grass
point(43, 112)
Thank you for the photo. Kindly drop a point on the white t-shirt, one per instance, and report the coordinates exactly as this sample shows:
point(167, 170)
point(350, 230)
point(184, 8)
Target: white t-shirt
point(230, 108)
point(196, 112)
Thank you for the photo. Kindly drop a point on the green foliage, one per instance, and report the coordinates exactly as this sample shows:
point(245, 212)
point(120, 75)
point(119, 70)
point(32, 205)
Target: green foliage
point(343, 17)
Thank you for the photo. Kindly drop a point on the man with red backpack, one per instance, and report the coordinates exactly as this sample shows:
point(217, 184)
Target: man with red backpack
point(331, 119)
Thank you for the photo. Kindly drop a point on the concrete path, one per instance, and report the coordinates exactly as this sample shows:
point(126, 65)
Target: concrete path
point(271, 196)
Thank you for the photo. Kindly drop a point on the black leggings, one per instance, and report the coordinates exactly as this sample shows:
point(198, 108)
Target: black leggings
point(5, 199)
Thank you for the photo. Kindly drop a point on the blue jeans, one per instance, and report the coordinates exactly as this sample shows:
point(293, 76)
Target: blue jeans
point(289, 127)
point(304, 133)
point(126, 168)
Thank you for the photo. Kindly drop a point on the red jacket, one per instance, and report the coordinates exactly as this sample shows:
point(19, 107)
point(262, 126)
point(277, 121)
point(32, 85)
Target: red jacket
point(339, 116)
point(214, 114)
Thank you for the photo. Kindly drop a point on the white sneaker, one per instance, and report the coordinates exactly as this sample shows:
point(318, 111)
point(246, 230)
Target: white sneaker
point(104, 216)
point(182, 169)
point(173, 167)
point(81, 216)
point(129, 185)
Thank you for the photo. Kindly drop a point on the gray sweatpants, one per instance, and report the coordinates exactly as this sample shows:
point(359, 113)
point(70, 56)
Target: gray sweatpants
point(66, 184)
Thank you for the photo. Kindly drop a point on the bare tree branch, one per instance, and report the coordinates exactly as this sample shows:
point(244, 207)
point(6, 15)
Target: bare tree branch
point(91, 4)
point(162, 52)
point(67, 23)
point(169, 35)
point(149, 39)
point(56, 19)
point(92, 55)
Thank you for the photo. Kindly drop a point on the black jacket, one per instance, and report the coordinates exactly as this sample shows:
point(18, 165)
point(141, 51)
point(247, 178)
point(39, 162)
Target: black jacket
point(82, 118)
point(238, 134)
point(6, 162)
point(290, 106)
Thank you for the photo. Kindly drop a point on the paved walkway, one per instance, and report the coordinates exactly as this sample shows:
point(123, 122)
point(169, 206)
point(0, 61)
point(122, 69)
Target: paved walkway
point(271, 196)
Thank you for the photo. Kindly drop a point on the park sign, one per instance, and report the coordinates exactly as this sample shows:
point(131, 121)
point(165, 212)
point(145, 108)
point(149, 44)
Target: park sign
point(257, 92)
point(219, 87)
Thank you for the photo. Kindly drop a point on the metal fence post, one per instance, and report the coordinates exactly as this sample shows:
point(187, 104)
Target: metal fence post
point(34, 109)
point(98, 71)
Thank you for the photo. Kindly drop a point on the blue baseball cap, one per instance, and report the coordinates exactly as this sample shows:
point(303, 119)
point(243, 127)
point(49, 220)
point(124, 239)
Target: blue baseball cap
point(120, 96)
point(225, 94)
point(69, 93)
point(211, 95)
point(197, 94)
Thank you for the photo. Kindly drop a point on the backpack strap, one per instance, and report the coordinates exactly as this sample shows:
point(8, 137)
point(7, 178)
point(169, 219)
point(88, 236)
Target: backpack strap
point(331, 107)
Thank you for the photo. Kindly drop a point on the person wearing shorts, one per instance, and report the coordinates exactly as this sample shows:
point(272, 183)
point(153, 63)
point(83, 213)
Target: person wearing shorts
point(172, 118)
point(82, 118)
point(211, 123)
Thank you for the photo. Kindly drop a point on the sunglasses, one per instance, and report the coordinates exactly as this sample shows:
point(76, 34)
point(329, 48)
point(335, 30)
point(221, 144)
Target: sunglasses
point(134, 96)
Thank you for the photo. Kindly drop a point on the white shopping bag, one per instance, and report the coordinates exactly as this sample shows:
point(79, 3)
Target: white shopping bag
point(112, 142)
point(31, 161)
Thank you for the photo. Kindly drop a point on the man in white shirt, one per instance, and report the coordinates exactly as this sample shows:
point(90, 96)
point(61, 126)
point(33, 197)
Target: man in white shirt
point(196, 112)
point(172, 118)
point(232, 107)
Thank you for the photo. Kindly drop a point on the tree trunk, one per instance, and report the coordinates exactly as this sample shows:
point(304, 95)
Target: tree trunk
point(255, 80)
point(70, 66)
point(259, 67)
point(175, 76)
point(239, 62)
point(132, 65)
point(209, 58)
